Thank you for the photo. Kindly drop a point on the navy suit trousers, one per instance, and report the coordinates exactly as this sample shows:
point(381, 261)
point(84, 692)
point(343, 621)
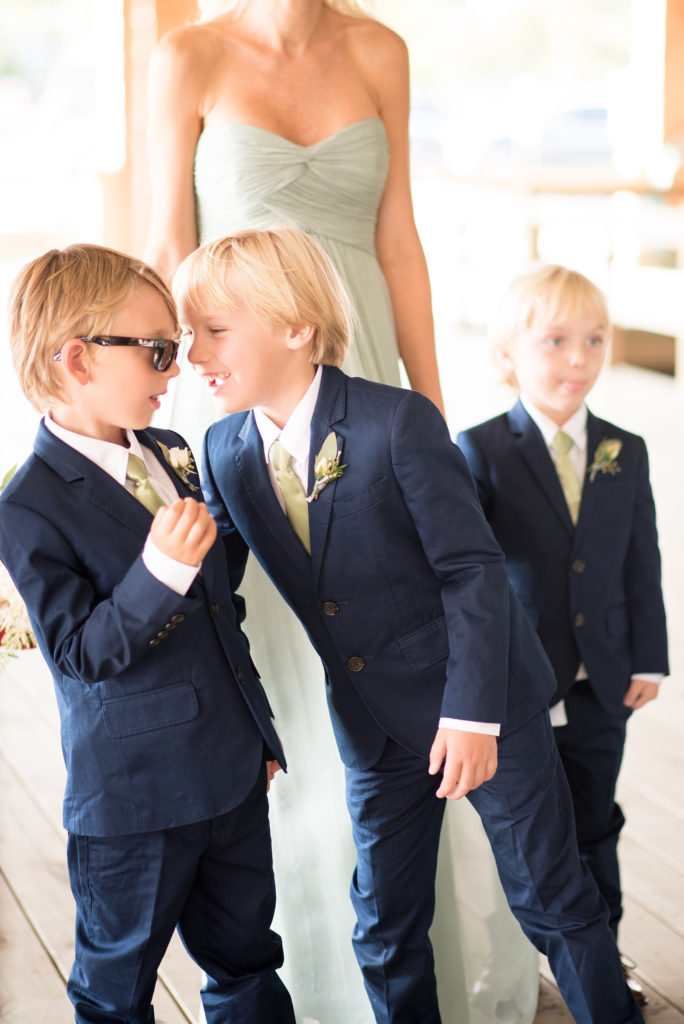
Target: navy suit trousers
point(527, 812)
point(591, 747)
point(214, 879)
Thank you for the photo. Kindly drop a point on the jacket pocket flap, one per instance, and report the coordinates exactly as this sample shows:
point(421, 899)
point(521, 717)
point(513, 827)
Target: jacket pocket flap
point(144, 712)
point(349, 504)
point(427, 645)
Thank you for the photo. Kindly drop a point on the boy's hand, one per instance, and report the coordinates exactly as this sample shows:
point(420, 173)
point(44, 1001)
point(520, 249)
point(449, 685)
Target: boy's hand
point(271, 767)
point(640, 692)
point(471, 759)
point(184, 531)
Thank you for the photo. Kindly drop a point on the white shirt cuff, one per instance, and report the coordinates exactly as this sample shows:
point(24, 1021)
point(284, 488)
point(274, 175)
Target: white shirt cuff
point(558, 714)
point(487, 728)
point(649, 677)
point(175, 575)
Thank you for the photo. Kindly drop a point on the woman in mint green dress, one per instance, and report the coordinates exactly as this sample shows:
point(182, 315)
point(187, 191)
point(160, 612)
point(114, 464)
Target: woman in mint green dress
point(296, 112)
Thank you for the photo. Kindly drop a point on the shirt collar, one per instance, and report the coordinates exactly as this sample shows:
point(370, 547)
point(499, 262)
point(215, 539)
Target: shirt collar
point(575, 427)
point(295, 435)
point(112, 458)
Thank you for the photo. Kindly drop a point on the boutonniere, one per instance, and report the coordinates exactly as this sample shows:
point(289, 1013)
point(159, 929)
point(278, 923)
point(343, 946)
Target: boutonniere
point(605, 458)
point(181, 462)
point(326, 466)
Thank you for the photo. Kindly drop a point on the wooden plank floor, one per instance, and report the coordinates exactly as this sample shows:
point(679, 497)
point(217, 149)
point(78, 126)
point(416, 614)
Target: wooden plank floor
point(36, 908)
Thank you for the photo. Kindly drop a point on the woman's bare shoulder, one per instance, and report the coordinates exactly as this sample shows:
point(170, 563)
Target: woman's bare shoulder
point(371, 36)
point(378, 51)
point(189, 46)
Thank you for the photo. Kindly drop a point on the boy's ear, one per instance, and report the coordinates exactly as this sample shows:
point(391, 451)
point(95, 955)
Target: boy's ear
point(75, 361)
point(299, 337)
point(504, 357)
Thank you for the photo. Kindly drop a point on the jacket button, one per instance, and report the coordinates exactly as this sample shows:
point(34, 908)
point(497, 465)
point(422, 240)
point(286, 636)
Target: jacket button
point(578, 620)
point(154, 641)
point(169, 626)
point(178, 617)
point(215, 607)
point(355, 664)
point(240, 674)
point(330, 608)
point(578, 565)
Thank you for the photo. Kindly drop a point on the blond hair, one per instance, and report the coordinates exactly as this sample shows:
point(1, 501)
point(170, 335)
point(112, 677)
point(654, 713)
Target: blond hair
point(543, 296)
point(69, 293)
point(282, 276)
point(212, 8)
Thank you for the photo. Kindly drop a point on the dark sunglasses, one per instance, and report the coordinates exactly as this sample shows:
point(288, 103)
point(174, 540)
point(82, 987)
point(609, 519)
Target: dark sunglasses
point(165, 351)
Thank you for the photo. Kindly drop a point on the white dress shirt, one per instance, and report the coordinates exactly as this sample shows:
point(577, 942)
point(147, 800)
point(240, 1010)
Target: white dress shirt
point(113, 459)
point(576, 428)
point(295, 438)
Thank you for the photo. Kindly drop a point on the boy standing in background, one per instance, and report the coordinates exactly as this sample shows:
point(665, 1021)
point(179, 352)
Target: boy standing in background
point(569, 500)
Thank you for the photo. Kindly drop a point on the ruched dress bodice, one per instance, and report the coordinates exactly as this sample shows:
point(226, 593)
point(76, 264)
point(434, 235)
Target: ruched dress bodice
point(246, 176)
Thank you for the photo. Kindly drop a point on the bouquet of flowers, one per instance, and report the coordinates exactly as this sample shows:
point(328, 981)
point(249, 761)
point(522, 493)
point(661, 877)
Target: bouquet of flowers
point(15, 629)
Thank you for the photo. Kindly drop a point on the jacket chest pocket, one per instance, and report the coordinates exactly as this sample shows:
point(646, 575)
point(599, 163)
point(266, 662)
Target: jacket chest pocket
point(360, 501)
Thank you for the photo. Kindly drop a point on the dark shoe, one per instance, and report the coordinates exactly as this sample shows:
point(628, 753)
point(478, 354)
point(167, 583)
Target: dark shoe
point(635, 987)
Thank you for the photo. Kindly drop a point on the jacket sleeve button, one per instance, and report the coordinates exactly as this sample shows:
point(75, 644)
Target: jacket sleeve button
point(215, 607)
point(240, 674)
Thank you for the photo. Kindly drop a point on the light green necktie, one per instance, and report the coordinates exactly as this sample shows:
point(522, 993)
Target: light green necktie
point(144, 491)
point(296, 507)
point(569, 481)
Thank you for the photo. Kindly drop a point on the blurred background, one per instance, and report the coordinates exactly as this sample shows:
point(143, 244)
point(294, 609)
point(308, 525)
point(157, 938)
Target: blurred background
point(539, 131)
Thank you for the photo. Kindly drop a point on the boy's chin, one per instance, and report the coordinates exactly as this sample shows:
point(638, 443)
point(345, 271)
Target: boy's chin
point(226, 406)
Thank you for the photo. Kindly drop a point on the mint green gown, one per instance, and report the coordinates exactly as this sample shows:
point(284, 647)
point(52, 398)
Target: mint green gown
point(487, 972)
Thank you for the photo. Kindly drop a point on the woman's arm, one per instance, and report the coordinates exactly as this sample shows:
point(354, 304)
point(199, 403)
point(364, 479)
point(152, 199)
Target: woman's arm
point(398, 246)
point(177, 87)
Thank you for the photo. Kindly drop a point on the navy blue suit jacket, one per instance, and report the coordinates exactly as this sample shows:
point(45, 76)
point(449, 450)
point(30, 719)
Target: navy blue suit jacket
point(163, 717)
point(592, 591)
point(405, 595)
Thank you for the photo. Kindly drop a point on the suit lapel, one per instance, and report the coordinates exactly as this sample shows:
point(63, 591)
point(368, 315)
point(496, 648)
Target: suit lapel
point(98, 487)
point(330, 410)
point(533, 450)
point(250, 462)
point(595, 432)
point(149, 441)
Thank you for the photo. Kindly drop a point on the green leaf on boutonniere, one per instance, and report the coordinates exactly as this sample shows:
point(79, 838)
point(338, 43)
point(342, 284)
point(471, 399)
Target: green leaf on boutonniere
point(181, 462)
point(605, 458)
point(326, 466)
point(7, 477)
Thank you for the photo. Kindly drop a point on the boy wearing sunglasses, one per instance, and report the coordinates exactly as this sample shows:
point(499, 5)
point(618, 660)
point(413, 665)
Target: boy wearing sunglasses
point(166, 730)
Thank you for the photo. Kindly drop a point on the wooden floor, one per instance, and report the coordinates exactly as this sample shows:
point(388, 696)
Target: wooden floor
point(36, 908)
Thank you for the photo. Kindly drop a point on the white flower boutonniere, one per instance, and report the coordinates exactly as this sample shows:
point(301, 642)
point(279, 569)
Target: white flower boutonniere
point(326, 466)
point(181, 462)
point(605, 458)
